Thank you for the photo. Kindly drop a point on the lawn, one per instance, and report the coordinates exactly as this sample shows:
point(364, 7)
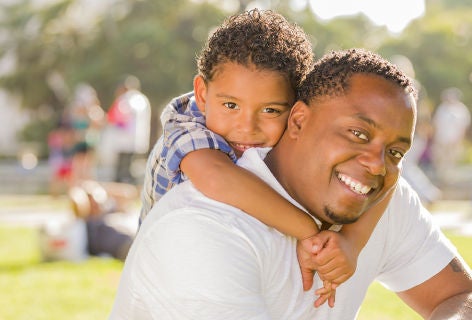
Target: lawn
point(381, 304)
point(85, 290)
point(35, 290)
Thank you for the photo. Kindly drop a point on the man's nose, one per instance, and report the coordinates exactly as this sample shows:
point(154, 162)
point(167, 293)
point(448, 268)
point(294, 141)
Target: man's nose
point(373, 159)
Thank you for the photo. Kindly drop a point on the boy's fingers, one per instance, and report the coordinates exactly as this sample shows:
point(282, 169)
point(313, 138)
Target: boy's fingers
point(332, 299)
point(325, 290)
point(322, 291)
point(321, 300)
point(319, 241)
point(307, 278)
point(338, 275)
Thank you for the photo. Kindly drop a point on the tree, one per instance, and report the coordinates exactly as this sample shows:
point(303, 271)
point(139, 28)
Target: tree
point(156, 41)
point(438, 45)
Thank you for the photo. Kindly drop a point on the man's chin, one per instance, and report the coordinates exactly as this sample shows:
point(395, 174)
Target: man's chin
point(335, 217)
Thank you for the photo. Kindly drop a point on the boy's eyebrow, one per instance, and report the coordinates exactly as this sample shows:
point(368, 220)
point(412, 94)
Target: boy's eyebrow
point(374, 124)
point(279, 103)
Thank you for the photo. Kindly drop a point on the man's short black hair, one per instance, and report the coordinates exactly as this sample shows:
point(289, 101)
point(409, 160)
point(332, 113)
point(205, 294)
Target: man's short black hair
point(331, 74)
point(263, 39)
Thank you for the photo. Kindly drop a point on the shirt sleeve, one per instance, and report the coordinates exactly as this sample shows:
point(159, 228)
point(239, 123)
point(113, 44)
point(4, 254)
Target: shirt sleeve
point(185, 131)
point(184, 270)
point(419, 248)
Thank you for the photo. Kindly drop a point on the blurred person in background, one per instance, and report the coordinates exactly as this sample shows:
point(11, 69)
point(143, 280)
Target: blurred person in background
point(129, 119)
point(103, 224)
point(61, 150)
point(103, 207)
point(451, 120)
point(86, 117)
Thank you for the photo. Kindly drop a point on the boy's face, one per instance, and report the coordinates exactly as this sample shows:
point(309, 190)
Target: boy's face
point(246, 106)
point(346, 151)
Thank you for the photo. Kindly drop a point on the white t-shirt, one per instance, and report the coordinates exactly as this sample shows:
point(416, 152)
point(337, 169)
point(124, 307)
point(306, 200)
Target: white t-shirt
point(195, 258)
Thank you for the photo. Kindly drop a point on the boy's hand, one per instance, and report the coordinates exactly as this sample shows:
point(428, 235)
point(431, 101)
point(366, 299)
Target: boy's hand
point(306, 249)
point(330, 254)
point(336, 260)
point(325, 293)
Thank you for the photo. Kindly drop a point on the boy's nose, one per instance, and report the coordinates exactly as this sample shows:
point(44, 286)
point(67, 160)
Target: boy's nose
point(247, 123)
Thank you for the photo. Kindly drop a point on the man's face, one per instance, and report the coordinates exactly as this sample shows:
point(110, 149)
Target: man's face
point(345, 152)
point(246, 106)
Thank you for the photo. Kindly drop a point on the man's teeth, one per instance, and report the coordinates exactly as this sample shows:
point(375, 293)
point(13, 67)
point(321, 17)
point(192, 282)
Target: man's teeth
point(355, 186)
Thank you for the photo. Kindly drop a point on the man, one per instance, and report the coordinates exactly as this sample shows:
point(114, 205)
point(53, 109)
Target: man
point(195, 258)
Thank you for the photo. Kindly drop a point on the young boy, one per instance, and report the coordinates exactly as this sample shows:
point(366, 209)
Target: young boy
point(248, 74)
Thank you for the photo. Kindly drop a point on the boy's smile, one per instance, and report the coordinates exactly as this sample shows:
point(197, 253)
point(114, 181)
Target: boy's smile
point(246, 106)
point(352, 145)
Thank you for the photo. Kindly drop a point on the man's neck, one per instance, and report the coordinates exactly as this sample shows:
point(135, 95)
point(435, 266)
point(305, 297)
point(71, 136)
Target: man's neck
point(325, 226)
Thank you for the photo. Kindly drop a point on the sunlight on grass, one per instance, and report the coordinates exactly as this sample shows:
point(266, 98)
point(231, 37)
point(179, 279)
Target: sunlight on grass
point(52, 290)
point(381, 304)
point(86, 290)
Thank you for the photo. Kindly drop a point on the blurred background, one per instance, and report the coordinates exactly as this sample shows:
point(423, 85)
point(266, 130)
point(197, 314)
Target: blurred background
point(56, 55)
point(83, 83)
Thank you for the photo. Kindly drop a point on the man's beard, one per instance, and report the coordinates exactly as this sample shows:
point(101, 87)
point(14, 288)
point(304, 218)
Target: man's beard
point(339, 219)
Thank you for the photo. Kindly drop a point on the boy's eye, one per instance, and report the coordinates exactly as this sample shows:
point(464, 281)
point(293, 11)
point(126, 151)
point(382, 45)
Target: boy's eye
point(271, 110)
point(230, 105)
point(360, 135)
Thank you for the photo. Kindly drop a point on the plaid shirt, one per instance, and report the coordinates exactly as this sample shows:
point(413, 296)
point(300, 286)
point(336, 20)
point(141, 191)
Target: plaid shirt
point(184, 131)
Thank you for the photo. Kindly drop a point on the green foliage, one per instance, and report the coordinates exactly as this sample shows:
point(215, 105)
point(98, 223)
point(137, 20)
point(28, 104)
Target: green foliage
point(157, 41)
point(56, 47)
point(437, 45)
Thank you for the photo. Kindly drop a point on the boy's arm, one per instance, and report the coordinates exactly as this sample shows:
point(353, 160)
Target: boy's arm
point(337, 260)
point(215, 175)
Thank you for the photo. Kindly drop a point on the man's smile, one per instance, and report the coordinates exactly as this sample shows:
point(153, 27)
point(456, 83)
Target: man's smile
point(354, 185)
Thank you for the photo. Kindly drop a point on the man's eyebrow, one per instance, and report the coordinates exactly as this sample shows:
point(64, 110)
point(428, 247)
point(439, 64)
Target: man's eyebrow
point(369, 121)
point(374, 124)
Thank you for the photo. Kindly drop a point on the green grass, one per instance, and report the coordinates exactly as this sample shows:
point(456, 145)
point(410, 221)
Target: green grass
point(35, 290)
point(19, 202)
point(381, 304)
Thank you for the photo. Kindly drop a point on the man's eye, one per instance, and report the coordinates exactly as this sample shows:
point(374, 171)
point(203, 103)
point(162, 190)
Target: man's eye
point(396, 154)
point(360, 135)
point(230, 105)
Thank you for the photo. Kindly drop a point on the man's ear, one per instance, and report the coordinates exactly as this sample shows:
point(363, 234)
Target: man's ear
point(200, 91)
point(297, 118)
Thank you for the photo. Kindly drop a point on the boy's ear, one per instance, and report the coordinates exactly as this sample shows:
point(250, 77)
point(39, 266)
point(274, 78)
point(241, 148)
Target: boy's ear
point(200, 91)
point(297, 118)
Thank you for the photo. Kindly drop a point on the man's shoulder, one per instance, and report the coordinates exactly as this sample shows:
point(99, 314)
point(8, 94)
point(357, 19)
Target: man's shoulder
point(404, 197)
point(185, 204)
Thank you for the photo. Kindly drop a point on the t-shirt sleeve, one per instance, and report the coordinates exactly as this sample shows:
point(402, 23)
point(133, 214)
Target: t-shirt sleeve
point(419, 248)
point(184, 271)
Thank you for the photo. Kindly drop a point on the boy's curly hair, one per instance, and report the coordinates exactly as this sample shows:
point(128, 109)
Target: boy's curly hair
point(331, 74)
point(264, 39)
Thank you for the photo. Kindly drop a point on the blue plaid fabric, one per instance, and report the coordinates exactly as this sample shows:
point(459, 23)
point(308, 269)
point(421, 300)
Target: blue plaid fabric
point(184, 130)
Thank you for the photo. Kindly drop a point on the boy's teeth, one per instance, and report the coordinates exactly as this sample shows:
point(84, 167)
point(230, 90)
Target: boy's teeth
point(242, 146)
point(354, 185)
